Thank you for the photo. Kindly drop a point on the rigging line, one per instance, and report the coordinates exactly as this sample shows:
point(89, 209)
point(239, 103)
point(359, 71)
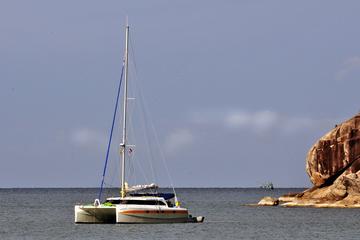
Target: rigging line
point(131, 138)
point(135, 163)
point(142, 112)
point(111, 131)
point(133, 54)
point(138, 165)
point(162, 156)
point(131, 135)
point(115, 169)
point(148, 144)
point(132, 175)
point(157, 142)
point(131, 116)
point(142, 172)
point(143, 103)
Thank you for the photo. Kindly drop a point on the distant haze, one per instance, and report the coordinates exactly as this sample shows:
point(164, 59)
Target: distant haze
point(237, 90)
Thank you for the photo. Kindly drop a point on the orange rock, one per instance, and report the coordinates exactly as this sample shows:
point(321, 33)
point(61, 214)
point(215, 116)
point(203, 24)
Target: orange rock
point(333, 164)
point(335, 153)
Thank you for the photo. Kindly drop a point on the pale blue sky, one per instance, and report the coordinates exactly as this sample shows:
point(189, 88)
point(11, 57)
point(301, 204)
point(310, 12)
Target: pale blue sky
point(238, 90)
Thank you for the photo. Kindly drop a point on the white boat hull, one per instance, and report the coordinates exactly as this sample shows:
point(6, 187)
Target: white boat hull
point(121, 214)
point(156, 214)
point(92, 214)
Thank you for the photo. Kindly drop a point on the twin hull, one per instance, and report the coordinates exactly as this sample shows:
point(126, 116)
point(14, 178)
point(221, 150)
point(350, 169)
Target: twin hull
point(124, 214)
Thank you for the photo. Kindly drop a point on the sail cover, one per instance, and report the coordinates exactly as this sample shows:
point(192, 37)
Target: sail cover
point(140, 187)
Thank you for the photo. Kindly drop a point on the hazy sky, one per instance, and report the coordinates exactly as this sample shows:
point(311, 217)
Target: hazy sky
point(237, 90)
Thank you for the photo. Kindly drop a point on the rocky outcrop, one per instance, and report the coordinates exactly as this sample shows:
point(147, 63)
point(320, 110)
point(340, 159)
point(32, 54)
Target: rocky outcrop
point(333, 164)
point(344, 192)
point(335, 153)
point(268, 201)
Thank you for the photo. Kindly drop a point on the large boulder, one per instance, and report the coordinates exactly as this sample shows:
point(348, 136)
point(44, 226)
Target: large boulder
point(333, 164)
point(335, 154)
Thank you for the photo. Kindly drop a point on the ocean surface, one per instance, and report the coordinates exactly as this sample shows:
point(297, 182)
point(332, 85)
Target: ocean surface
point(49, 214)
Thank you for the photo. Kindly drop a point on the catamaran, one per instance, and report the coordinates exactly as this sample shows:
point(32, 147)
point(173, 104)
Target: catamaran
point(136, 204)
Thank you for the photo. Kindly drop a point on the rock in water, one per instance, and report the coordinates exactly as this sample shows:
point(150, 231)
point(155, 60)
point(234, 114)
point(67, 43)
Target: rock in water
point(335, 153)
point(344, 192)
point(268, 201)
point(333, 164)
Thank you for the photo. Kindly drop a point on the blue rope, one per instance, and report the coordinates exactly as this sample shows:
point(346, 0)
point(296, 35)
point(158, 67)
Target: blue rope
point(111, 133)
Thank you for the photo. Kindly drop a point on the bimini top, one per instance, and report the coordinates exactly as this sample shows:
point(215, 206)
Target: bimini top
point(166, 196)
point(143, 196)
point(144, 200)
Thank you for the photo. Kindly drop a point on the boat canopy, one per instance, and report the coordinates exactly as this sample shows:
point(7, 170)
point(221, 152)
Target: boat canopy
point(166, 196)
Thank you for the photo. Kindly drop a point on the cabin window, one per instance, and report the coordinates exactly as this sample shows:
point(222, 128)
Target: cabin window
point(136, 202)
point(113, 201)
point(142, 202)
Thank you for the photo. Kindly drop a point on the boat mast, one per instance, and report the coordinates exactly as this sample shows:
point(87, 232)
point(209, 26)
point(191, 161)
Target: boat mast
point(123, 144)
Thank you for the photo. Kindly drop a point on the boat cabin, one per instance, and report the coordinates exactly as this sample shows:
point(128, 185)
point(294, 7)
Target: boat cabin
point(157, 201)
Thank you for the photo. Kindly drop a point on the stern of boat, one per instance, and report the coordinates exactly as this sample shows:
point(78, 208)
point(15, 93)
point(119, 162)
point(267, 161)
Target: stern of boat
point(94, 214)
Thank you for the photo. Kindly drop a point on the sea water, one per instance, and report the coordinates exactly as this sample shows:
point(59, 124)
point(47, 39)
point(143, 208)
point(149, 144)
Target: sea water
point(49, 214)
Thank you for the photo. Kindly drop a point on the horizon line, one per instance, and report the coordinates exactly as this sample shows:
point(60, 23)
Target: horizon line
point(214, 187)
